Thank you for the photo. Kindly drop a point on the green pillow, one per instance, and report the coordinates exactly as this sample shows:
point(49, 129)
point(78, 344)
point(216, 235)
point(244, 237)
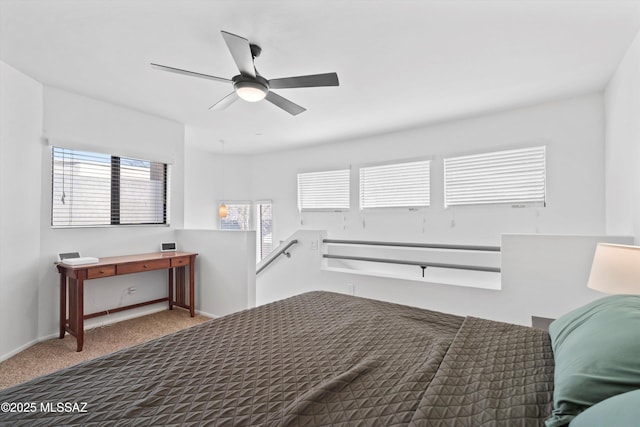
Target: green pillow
point(621, 410)
point(597, 355)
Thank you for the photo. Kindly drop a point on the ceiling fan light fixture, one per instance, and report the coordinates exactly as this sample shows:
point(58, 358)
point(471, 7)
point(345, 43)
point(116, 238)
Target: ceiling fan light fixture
point(251, 91)
point(249, 85)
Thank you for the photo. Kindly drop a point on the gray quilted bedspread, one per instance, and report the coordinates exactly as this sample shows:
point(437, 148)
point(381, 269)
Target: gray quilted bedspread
point(314, 359)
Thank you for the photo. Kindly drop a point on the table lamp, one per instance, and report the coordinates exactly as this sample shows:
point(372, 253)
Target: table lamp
point(615, 269)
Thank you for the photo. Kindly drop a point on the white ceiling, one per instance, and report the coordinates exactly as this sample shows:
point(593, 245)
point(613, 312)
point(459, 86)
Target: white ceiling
point(400, 63)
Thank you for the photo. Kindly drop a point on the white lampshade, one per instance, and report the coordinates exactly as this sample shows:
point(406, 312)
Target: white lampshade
point(615, 269)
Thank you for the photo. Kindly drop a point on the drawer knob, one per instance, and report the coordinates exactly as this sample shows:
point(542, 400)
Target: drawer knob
point(101, 271)
point(145, 265)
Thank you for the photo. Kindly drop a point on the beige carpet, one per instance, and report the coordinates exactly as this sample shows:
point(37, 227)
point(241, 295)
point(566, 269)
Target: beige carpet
point(54, 354)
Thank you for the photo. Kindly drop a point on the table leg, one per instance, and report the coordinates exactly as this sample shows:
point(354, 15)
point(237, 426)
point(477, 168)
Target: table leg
point(171, 288)
point(76, 310)
point(63, 304)
point(192, 299)
point(80, 314)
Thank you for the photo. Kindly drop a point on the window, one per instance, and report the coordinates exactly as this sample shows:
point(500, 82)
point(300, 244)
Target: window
point(327, 190)
point(264, 223)
point(395, 185)
point(92, 189)
point(240, 216)
point(513, 176)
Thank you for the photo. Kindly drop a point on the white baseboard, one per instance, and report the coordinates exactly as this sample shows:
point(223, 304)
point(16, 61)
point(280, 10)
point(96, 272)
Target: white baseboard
point(19, 349)
point(205, 314)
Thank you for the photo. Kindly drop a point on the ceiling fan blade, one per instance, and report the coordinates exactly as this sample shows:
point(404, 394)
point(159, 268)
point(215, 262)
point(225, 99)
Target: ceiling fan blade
point(313, 80)
point(225, 102)
point(241, 52)
point(189, 73)
point(288, 106)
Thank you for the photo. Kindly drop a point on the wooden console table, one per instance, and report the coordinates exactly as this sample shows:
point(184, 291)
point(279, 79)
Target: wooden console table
point(75, 275)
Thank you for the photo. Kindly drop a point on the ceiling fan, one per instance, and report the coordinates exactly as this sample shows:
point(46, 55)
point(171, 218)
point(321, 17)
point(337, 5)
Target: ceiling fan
point(249, 85)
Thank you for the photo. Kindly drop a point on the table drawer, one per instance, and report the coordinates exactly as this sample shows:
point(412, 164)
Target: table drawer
point(178, 262)
point(104, 271)
point(136, 267)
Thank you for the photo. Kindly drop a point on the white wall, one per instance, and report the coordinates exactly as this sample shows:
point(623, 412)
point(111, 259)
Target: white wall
point(542, 275)
point(287, 276)
point(225, 269)
point(211, 177)
point(20, 175)
point(28, 244)
point(572, 130)
point(76, 121)
point(546, 275)
point(622, 101)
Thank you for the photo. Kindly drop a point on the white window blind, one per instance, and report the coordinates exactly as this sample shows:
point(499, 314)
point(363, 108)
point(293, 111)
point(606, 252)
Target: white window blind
point(513, 176)
point(93, 189)
point(264, 210)
point(395, 185)
point(327, 190)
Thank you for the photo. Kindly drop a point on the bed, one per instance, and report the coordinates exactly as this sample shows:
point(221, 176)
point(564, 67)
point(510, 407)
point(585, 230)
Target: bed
point(314, 359)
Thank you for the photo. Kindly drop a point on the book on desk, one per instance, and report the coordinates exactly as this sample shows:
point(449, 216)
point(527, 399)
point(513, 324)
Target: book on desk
point(74, 258)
